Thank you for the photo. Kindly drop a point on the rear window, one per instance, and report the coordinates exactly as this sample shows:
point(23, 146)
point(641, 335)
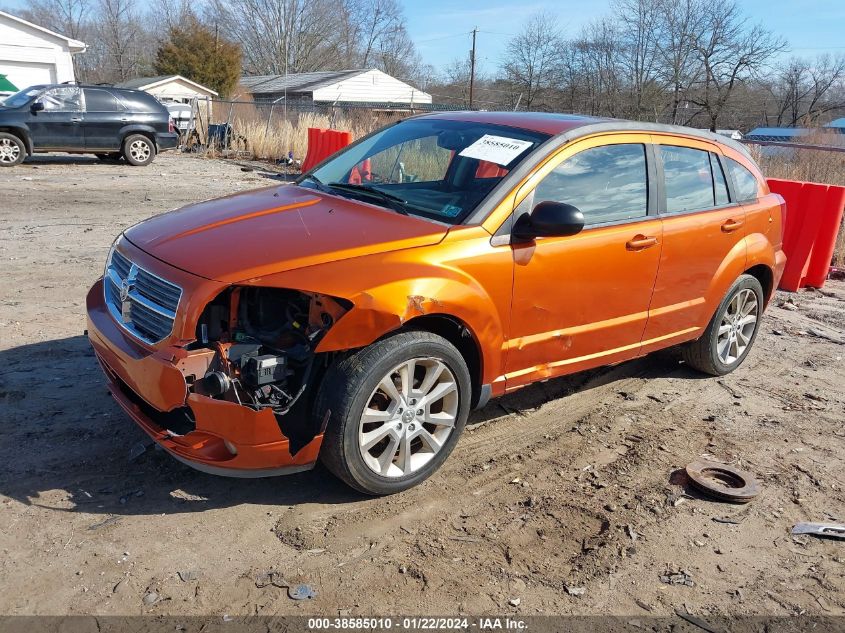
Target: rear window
point(689, 181)
point(97, 100)
point(745, 183)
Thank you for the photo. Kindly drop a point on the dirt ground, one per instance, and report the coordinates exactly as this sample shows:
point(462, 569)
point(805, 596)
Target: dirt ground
point(563, 498)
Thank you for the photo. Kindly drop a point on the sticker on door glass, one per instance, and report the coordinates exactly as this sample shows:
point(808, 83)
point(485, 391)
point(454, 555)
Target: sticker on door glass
point(496, 149)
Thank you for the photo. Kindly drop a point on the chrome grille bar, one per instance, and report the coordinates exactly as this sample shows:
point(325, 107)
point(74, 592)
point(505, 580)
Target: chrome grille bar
point(143, 304)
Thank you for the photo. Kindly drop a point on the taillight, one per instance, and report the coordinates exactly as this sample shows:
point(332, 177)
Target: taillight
point(171, 126)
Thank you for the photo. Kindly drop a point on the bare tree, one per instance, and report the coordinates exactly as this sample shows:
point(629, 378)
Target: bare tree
point(676, 47)
point(804, 89)
point(68, 17)
point(638, 35)
point(729, 52)
point(532, 58)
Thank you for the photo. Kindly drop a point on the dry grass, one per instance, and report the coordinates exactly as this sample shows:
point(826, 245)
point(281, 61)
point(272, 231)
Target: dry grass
point(812, 166)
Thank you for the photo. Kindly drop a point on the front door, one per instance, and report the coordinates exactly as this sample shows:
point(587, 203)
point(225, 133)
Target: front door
point(104, 118)
point(582, 301)
point(59, 125)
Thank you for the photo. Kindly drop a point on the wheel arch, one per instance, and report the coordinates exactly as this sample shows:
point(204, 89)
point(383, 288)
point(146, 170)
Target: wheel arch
point(143, 130)
point(22, 134)
point(462, 337)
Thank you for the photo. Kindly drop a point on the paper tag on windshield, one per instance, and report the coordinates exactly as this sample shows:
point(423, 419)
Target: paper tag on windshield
point(500, 150)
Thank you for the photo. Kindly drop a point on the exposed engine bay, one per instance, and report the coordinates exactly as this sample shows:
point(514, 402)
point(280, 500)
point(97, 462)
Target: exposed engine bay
point(260, 343)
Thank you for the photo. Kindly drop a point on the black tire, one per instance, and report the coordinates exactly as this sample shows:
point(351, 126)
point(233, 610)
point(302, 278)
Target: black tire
point(138, 150)
point(12, 150)
point(702, 353)
point(346, 389)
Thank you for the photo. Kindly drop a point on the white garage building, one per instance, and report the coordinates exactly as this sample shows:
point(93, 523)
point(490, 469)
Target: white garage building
point(31, 54)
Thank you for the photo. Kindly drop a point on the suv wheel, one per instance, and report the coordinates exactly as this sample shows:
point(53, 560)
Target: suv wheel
point(12, 150)
point(731, 332)
point(138, 150)
point(395, 411)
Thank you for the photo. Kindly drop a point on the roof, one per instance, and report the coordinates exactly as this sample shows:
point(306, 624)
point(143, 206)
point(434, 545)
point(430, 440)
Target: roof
point(776, 133)
point(571, 126)
point(297, 82)
point(75, 46)
point(143, 83)
point(544, 122)
point(6, 85)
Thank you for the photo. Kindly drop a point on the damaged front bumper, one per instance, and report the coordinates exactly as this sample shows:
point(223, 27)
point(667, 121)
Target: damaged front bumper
point(226, 438)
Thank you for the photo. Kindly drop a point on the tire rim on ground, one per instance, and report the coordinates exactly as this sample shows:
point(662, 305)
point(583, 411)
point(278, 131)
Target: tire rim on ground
point(9, 151)
point(737, 326)
point(139, 150)
point(408, 417)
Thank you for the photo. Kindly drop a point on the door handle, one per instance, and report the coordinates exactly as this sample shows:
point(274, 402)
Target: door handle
point(640, 242)
point(75, 119)
point(732, 225)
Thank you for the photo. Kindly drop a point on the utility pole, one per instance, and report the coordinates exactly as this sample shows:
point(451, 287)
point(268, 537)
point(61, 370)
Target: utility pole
point(472, 67)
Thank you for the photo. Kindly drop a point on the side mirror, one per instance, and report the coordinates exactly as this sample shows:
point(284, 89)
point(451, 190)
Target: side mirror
point(548, 219)
point(36, 107)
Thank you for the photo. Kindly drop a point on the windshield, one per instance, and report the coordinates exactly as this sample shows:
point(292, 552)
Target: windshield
point(431, 168)
point(22, 98)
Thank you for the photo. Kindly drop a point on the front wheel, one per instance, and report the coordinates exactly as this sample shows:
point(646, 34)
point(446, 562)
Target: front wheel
point(12, 150)
point(395, 411)
point(731, 332)
point(139, 150)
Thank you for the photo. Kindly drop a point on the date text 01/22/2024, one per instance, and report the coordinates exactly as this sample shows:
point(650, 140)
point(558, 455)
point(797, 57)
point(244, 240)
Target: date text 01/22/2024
point(418, 624)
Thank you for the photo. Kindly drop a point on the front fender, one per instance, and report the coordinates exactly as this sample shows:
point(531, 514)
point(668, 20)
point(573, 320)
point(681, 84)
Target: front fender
point(465, 280)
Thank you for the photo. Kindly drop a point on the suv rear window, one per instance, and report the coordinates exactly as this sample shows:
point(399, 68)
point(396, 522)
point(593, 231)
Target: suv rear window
point(97, 100)
point(745, 183)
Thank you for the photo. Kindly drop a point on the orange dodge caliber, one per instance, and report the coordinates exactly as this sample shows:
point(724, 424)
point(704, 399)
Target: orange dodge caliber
point(358, 314)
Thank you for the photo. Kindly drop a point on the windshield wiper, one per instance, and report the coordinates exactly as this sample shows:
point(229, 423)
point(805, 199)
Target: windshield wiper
point(395, 202)
point(320, 184)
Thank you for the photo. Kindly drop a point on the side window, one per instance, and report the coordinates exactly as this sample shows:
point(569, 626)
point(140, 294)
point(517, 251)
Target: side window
point(689, 181)
point(745, 183)
point(64, 99)
point(101, 101)
point(720, 185)
point(607, 183)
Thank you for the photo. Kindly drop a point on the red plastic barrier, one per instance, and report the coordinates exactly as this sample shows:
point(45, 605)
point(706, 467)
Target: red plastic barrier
point(813, 217)
point(323, 143)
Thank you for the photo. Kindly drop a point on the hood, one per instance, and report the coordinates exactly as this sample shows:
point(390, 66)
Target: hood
point(276, 229)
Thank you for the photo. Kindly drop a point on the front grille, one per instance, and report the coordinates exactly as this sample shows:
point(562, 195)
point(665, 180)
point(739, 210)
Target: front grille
point(149, 303)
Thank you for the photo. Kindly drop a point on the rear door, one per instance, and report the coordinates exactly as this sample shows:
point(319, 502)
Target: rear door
point(59, 125)
point(104, 117)
point(703, 230)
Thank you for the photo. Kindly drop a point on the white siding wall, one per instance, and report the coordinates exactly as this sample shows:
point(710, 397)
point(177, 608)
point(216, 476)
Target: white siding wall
point(372, 86)
point(177, 90)
point(28, 56)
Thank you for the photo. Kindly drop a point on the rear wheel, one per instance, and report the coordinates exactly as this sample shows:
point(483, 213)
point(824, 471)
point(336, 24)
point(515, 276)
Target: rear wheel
point(396, 410)
point(12, 150)
point(731, 332)
point(139, 150)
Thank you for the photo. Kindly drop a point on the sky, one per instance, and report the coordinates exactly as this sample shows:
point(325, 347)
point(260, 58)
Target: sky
point(440, 28)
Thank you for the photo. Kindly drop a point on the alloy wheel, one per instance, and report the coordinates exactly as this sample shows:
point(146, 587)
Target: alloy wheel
point(408, 417)
point(139, 150)
point(737, 327)
point(9, 151)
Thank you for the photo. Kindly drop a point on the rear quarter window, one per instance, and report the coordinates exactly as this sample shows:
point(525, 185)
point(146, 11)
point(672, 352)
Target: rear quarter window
point(746, 185)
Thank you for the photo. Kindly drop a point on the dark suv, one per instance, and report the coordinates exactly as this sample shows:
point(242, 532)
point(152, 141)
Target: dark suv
point(102, 120)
